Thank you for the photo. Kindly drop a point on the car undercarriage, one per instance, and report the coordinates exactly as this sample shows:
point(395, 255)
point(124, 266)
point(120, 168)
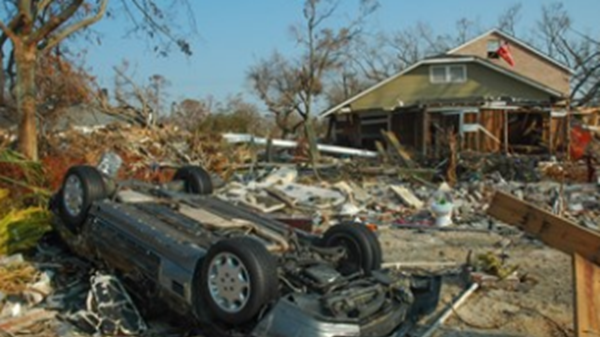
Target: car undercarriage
point(230, 269)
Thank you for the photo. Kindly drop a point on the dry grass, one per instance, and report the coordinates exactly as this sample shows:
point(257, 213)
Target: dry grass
point(15, 278)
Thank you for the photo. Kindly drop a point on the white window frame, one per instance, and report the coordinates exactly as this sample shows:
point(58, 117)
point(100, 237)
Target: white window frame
point(447, 78)
point(492, 48)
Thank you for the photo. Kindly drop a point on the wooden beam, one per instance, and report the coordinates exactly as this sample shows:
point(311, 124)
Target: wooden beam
point(550, 134)
point(568, 132)
point(554, 231)
point(393, 142)
point(382, 152)
point(586, 277)
point(505, 131)
point(425, 136)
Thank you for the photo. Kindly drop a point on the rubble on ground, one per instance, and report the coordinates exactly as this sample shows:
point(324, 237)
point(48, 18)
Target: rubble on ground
point(49, 293)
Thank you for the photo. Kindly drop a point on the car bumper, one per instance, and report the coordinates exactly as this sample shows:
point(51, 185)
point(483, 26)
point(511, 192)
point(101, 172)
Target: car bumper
point(288, 319)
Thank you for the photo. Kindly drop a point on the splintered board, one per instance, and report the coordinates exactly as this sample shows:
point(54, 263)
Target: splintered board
point(587, 297)
point(554, 231)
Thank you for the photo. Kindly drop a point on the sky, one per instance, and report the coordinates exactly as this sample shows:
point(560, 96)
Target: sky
point(232, 35)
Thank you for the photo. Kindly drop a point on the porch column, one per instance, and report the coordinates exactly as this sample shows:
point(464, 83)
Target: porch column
point(425, 132)
point(550, 134)
point(506, 131)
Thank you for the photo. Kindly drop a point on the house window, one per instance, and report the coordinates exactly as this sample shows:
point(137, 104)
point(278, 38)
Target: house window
point(438, 74)
point(448, 74)
point(492, 48)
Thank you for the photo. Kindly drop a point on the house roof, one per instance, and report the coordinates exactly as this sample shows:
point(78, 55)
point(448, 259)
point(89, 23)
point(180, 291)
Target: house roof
point(443, 59)
point(83, 116)
point(515, 41)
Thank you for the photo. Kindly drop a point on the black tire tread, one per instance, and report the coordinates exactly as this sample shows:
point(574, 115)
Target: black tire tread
point(370, 249)
point(94, 189)
point(196, 179)
point(375, 245)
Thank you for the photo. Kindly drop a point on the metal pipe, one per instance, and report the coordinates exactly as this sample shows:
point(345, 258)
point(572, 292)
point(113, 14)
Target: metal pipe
point(460, 301)
point(290, 144)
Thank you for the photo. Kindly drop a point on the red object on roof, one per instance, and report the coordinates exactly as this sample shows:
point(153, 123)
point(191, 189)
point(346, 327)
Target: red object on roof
point(504, 53)
point(580, 139)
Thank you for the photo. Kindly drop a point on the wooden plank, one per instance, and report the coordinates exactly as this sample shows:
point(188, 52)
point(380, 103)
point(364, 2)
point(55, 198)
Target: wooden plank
point(425, 132)
point(554, 231)
point(382, 151)
point(407, 196)
point(505, 131)
point(587, 302)
point(393, 141)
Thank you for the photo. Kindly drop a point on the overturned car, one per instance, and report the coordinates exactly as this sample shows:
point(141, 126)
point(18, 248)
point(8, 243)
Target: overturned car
point(232, 270)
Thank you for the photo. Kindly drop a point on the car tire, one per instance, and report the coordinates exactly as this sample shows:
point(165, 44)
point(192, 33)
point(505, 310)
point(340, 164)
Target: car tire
point(252, 283)
point(196, 179)
point(375, 246)
point(362, 247)
point(82, 186)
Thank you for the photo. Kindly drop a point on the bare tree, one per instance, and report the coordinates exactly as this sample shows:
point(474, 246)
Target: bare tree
point(581, 52)
point(274, 81)
point(188, 113)
point(508, 20)
point(35, 27)
point(466, 29)
point(142, 104)
point(209, 116)
point(371, 59)
point(61, 82)
point(386, 54)
point(289, 86)
point(157, 93)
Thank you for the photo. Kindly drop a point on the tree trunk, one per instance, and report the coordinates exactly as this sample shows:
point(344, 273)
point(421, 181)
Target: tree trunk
point(2, 79)
point(312, 145)
point(25, 58)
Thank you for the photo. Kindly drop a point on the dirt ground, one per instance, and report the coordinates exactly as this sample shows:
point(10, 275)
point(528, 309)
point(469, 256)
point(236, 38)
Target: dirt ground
point(541, 305)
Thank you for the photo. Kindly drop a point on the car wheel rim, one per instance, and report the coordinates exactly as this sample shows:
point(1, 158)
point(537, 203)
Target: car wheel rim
point(229, 282)
point(73, 195)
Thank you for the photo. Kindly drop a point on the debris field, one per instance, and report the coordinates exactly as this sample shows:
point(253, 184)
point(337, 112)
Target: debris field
point(510, 282)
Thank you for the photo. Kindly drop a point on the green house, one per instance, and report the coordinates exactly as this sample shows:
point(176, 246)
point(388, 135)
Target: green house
point(469, 92)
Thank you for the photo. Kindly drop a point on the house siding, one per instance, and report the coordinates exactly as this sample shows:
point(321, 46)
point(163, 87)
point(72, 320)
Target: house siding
point(415, 86)
point(527, 64)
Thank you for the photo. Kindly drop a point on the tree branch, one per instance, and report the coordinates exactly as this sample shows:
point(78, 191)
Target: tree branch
point(12, 27)
point(153, 22)
point(42, 5)
point(591, 93)
point(586, 76)
point(8, 32)
point(56, 39)
point(25, 10)
point(56, 21)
